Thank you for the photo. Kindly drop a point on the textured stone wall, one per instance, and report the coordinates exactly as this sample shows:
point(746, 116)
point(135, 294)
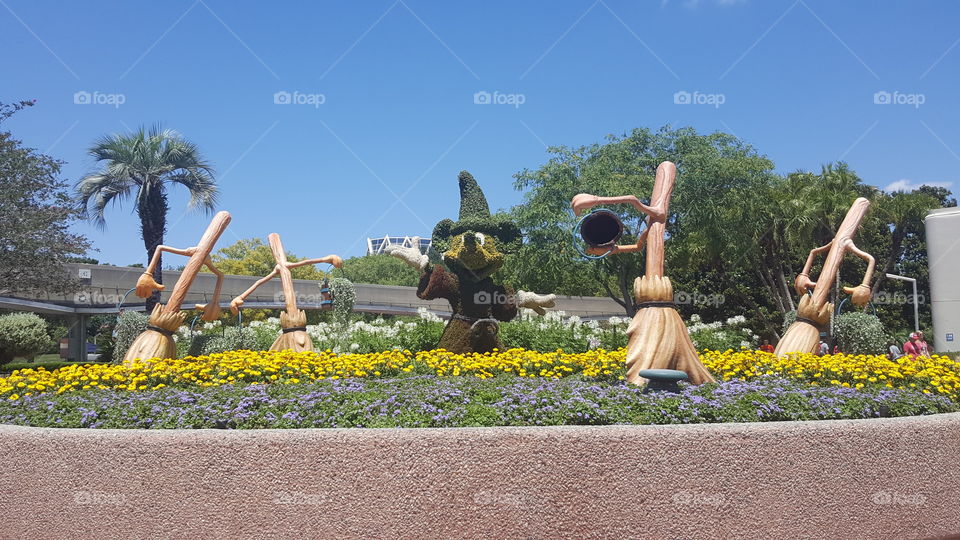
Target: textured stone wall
point(890, 478)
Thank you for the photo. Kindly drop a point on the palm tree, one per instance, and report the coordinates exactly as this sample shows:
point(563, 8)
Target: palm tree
point(141, 164)
point(903, 214)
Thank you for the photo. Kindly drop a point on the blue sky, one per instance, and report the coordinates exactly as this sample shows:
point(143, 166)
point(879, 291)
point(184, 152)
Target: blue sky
point(382, 113)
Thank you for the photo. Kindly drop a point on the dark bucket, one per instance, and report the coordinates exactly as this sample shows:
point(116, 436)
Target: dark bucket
point(601, 228)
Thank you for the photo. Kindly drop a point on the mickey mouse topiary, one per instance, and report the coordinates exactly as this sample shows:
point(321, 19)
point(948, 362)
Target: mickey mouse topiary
point(471, 251)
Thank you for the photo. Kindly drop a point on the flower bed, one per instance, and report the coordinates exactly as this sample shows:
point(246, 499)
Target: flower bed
point(430, 401)
point(937, 375)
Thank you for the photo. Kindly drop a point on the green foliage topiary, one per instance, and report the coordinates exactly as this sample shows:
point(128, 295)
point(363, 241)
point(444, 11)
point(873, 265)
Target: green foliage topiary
point(344, 298)
point(860, 333)
point(130, 324)
point(24, 335)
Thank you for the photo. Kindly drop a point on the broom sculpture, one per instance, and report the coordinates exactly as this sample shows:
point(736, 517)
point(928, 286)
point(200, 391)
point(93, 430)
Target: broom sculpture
point(157, 340)
point(814, 311)
point(658, 338)
point(293, 321)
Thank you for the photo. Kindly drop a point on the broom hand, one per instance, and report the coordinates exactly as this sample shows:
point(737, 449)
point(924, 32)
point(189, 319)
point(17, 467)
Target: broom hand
point(859, 295)
point(211, 311)
point(235, 305)
point(146, 285)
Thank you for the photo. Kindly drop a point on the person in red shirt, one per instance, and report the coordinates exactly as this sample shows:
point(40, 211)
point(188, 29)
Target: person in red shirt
point(766, 347)
point(922, 346)
point(911, 348)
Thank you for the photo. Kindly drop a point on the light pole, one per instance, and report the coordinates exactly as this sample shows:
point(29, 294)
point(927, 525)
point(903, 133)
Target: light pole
point(916, 302)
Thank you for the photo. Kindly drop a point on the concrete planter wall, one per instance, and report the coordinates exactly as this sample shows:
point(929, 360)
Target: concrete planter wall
point(889, 478)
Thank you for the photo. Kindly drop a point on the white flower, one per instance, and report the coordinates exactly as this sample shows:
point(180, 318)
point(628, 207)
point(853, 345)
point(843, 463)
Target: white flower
point(695, 318)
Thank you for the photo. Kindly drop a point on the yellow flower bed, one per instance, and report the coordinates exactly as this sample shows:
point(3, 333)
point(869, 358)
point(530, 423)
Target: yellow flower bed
point(938, 374)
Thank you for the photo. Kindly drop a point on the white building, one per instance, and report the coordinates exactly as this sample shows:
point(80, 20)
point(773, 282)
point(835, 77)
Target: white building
point(375, 246)
point(943, 258)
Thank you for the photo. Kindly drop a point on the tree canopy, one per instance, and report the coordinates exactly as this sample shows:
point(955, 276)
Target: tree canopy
point(36, 213)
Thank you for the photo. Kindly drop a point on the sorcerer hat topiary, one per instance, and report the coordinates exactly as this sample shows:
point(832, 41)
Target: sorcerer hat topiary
point(475, 217)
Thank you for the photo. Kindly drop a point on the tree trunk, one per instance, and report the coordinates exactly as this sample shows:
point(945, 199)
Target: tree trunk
point(153, 227)
point(896, 246)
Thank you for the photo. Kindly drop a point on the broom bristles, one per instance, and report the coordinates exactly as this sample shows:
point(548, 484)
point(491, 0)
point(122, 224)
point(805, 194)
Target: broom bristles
point(298, 340)
point(803, 337)
point(153, 344)
point(658, 338)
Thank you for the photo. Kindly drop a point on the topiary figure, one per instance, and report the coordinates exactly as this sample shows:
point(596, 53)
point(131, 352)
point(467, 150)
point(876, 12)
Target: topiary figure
point(471, 252)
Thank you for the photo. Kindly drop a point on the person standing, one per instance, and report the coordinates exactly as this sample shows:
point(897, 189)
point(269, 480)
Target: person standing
point(922, 348)
point(766, 346)
point(824, 348)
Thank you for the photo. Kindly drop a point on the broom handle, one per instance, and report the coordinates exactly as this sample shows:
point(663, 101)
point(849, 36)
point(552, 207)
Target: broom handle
point(200, 256)
point(842, 241)
point(286, 279)
point(657, 223)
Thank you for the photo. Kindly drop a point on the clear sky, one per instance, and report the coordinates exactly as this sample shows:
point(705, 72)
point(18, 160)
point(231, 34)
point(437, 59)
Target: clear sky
point(382, 114)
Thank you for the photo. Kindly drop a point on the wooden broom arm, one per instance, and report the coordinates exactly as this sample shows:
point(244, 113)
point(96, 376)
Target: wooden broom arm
point(201, 252)
point(803, 281)
point(841, 243)
point(238, 301)
point(335, 260)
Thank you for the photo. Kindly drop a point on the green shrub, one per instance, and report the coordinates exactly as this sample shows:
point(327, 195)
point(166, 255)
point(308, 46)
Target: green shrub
point(232, 338)
point(24, 335)
point(860, 333)
point(130, 324)
point(344, 298)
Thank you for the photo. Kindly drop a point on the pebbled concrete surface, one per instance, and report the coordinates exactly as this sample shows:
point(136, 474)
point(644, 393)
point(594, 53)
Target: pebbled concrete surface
point(885, 478)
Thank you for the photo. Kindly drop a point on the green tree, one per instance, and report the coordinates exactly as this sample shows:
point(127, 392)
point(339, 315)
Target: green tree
point(716, 173)
point(36, 213)
point(380, 270)
point(142, 165)
point(252, 257)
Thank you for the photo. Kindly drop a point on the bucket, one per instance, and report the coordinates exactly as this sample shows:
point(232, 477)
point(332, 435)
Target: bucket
point(601, 228)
